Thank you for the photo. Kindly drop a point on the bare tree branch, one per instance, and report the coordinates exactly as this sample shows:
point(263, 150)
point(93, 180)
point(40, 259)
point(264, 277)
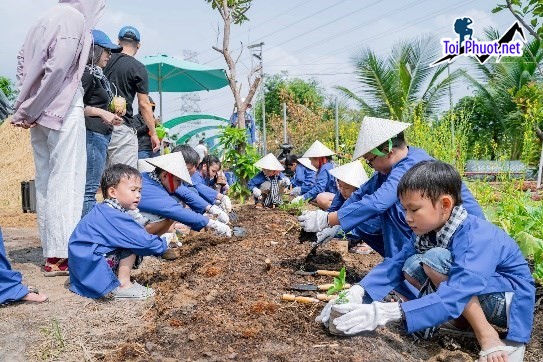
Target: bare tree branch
point(521, 20)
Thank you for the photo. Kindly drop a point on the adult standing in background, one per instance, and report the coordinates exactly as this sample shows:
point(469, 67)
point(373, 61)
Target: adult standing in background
point(249, 123)
point(50, 103)
point(201, 149)
point(145, 147)
point(131, 79)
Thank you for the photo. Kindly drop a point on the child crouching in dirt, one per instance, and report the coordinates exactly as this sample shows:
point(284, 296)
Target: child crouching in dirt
point(350, 177)
point(303, 177)
point(268, 185)
point(103, 247)
point(463, 265)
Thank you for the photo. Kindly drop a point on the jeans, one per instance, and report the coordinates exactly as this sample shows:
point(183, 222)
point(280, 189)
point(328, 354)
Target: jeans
point(147, 154)
point(97, 144)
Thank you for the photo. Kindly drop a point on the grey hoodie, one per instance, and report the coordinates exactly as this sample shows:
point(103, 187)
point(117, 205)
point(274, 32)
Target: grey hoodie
point(51, 61)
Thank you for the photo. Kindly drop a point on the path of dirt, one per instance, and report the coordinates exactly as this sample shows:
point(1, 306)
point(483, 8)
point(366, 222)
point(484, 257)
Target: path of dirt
point(216, 303)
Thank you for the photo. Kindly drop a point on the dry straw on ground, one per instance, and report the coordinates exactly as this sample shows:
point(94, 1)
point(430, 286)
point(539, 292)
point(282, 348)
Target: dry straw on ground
point(16, 164)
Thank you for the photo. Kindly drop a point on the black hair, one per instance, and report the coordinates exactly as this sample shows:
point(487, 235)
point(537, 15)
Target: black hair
point(398, 141)
point(95, 54)
point(128, 42)
point(210, 160)
point(291, 159)
point(114, 174)
point(201, 141)
point(153, 104)
point(432, 179)
point(189, 154)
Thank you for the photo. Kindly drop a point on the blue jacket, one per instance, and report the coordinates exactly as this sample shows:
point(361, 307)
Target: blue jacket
point(102, 230)
point(206, 192)
point(11, 287)
point(303, 178)
point(249, 125)
point(156, 200)
point(192, 199)
point(325, 182)
point(378, 197)
point(259, 179)
point(485, 260)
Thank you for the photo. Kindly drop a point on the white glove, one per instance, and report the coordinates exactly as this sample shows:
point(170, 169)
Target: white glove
point(326, 235)
point(365, 317)
point(219, 214)
point(285, 182)
point(354, 296)
point(219, 228)
point(314, 221)
point(225, 204)
point(296, 191)
point(296, 199)
point(257, 192)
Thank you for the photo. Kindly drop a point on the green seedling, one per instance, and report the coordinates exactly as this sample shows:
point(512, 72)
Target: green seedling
point(339, 283)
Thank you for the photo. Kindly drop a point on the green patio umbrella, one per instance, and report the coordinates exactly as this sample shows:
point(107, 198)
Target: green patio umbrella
point(168, 74)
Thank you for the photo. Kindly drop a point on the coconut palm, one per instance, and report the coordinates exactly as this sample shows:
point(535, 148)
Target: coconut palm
point(395, 85)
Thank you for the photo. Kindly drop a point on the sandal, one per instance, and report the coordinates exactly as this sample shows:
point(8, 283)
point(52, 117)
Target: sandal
point(37, 292)
point(451, 329)
point(56, 268)
point(135, 292)
point(362, 249)
point(515, 351)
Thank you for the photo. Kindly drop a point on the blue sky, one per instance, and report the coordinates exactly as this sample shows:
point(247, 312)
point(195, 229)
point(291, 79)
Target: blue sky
point(307, 38)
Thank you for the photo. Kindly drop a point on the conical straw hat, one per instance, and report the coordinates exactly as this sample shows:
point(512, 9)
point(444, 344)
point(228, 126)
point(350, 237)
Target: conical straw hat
point(144, 166)
point(173, 163)
point(317, 149)
point(374, 132)
point(307, 163)
point(269, 162)
point(351, 173)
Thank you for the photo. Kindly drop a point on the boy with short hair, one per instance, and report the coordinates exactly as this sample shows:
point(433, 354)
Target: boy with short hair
point(107, 240)
point(463, 265)
point(304, 173)
point(268, 185)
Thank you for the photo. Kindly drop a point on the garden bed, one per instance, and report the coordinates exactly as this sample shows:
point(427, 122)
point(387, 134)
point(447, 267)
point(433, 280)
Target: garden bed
point(219, 302)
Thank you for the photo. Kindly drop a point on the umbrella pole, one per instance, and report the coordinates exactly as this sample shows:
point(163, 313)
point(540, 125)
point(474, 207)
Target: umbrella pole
point(160, 100)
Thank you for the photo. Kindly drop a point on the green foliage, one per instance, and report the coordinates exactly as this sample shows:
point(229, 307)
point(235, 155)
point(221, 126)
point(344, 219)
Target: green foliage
point(531, 10)
point(237, 8)
point(8, 87)
point(339, 283)
point(294, 208)
point(529, 101)
point(242, 164)
point(402, 82)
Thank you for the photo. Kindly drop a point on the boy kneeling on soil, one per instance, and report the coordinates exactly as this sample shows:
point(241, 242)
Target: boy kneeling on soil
point(269, 184)
point(463, 265)
point(107, 240)
point(160, 204)
point(349, 177)
point(303, 178)
point(325, 188)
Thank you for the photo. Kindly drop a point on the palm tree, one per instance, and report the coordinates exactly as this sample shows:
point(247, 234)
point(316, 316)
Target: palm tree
point(497, 83)
point(396, 85)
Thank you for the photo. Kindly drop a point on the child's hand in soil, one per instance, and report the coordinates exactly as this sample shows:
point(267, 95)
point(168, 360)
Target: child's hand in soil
point(358, 318)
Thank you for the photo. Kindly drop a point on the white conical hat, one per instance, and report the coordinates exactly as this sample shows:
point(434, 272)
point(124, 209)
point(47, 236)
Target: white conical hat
point(317, 149)
point(374, 132)
point(144, 166)
point(269, 162)
point(351, 173)
point(307, 163)
point(173, 163)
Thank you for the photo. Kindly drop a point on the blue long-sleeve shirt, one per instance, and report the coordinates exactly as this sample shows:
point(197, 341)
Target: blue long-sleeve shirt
point(206, 192)
point(11, 287)
point(325, 182)
point(485, 260)
point(192, 199)
point(304, 178)
point(103, 230)
point(259, 179)
point(156, 200)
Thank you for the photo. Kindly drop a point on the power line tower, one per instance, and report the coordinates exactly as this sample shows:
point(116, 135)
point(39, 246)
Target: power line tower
point(256, 52)
point(190, 101)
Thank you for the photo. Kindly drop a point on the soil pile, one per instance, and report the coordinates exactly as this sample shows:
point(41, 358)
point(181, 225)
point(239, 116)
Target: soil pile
point(219, 302)
point(16, 163)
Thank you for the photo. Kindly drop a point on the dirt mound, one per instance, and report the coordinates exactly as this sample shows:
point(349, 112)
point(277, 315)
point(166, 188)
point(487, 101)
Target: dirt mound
point(219, 302)
point(16, 163)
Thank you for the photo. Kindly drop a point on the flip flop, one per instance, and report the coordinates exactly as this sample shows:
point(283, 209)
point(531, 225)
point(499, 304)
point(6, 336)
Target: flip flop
point(362, 249)
point(35, 291)
point(515, 351)
point(135, 292)
point(450, 329)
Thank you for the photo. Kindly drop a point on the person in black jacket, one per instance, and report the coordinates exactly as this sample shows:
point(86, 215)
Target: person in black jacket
point(99, 121)
point(145, 147)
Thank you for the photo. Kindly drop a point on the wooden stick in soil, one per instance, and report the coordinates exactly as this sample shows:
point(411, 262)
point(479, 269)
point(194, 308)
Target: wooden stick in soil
point(268, 264)
point(299, 299)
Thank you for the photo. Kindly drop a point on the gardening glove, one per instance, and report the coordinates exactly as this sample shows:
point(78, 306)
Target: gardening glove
point(219, 214)
point(257, 192)
point(219, 228)
point(285, 182)
point(314, 221)
point(296, 199)
point(326, 235)
point(296, 191)
point(365, 317)
point(354, 296)
point(225, 204)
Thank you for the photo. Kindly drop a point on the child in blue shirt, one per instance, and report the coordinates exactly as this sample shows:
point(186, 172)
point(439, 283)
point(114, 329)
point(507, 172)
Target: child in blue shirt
point(463, 265)
point(268, 185)
point(304, 173)
point(103, 247)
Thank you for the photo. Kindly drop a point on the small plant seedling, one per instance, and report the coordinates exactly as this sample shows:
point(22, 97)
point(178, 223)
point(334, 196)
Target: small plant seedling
point(339, 283)
point(342, 297)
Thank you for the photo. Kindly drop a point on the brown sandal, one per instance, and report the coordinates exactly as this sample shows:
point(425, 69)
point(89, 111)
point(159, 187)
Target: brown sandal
point(54, 269)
